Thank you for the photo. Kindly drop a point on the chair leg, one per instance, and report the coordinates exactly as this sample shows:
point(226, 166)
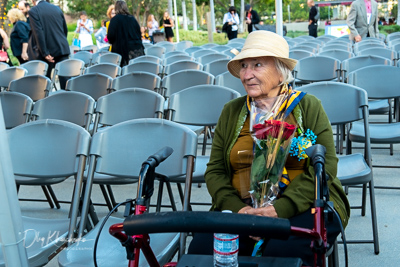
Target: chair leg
point(106, 198)
point(364, 199)
point(46, 193)
point(159, 197)
point(53, 196)
point(333, 258)
point(111, 195)
point(180, 191)
point(373, 217)
point(171, 196)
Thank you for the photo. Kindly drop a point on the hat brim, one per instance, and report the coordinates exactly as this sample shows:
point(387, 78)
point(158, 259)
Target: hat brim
point(234, 64)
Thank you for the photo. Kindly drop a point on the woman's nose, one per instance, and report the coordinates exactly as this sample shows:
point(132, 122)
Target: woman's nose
point(247, 73)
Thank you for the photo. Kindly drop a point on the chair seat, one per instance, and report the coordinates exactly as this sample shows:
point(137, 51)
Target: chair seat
point(110, 252)
point(378, 106)
point(353, 170)
point(53, 233)
point(388, 133)
point(22, 180)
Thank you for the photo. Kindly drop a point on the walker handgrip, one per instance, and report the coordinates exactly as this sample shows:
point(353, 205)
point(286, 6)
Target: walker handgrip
point(207, 222)
point(160, 156)
point(316, 153)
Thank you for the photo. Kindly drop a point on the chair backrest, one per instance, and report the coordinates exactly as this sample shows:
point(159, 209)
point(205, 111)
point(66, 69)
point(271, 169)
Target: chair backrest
point(176, 58)
point(337, 54)
point(237, 46)
point(187, 106)
point(109, 69)
point(326, 38)
point(368, 45)
point(35, 67)
point(216, 67)
point(182, 65)
point(203, 52)
point(304, 38)
point(157, 51)
point(336, 46)
point(3, 66)
point(209, 45)
point(10, 74)
point(306, 48)
point(382, 52)
point(85, 56)
point(174, 53)
point(340, 41)
point(90, 48)
point(211, 57)
point(74, 107)
point(193, 49)
point(392, 36)
point(67, 69)
point(143, 80)
point(182, 45)
point(221, 48)
point(318, 68)
point(143, 66)
point(228, 53)
point(128, 104)
point(146, 58)
point(184, 79)
point(16, 108)
point(35, 86)
point(312, 44)
point(358, 62)
point(74, 49)
point(351, 98)
point(98, 54)
point(94, 84)
point(226, 79)
point(169, 47)
point(237, 40)
point(379, 81)
point(113, 58)
point(122, 148)
point(300, 54)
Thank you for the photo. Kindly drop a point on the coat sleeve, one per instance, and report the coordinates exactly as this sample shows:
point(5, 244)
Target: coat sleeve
point(38, 32)
point(255, 19)
point(112, 28)
point(351, 19)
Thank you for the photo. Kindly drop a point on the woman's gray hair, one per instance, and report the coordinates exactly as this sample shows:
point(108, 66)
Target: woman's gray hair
point(286, 73)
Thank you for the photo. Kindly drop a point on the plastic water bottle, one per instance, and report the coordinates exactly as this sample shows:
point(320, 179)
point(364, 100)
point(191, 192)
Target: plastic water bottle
point(226, 248)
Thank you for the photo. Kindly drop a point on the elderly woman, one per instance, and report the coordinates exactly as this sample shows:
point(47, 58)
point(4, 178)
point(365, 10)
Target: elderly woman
point(19, 35)
point(265, 71)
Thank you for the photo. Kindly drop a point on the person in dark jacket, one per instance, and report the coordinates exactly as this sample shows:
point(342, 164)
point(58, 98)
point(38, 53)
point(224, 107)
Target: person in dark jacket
point(312, 21)
point(19, 35)
point(252, 18)
point(124, 34)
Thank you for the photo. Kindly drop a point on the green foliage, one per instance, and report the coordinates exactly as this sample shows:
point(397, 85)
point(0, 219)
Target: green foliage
point(388, 29)
point(394, 11)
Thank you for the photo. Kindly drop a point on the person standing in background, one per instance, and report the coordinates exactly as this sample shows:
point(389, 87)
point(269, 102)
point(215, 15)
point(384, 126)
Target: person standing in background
point(232, 19)
point(168, 24)
point(312, 21)
point(84, 27)
point(152, 26)
point(363, 20)
point(101, 34)
point(124, 34)
point(25, 7)
point(110, 14)
point(19, 35)
point(48, 41)
point(252, 18)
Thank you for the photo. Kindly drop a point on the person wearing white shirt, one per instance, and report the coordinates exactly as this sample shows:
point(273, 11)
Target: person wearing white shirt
point(232, 20)
point(84, 27)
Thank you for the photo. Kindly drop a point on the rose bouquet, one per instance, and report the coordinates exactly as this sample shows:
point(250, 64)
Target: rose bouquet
point(272, 142)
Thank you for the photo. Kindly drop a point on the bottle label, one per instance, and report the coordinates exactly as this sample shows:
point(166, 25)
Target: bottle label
point(226, 246)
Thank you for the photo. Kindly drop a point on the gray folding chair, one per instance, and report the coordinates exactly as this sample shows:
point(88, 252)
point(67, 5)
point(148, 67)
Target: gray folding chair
point(67, 69)
point(229, 53)
point(240, 40)
point(170, 60)
point(216, 67)
point(16, 108)
point(182, 45)
point(221, 48)
point(353, 169)
point(316, 69)
point(182, 65)
point(143, 80)
point(94, 85)
point(169, 47)
point(382, 52)
point(313, 44)
point(10, 74)
point(183, 79)
point(113, 58)
point(306, 48)
point(202, 52)
point(120, 106)
point(336, 46)
point(209, 45)
point(379, 83)
point(122, 149)
point(90, 48)
point(48, 150)
point(150, 67)
point(35, 86)
point(226, 79)
point(337, 54)
point(193, 49)
point(367, 45)
point(146, 58)
point(326, 38)
point(37, 67)
point(3, 66)
point(74, 49)
point(211, 57)
point(300, 54)
point(98, 54)
point(392, 36)
point(174, 53)
point(109, 69)
point(157, 51)
point(85, 56)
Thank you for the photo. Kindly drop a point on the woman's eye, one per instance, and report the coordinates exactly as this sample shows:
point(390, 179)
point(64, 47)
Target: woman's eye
point(244, 65)
point(257, 64)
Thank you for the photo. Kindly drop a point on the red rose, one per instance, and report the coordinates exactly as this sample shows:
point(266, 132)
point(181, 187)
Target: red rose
point(288, 130)
point(276, 128)
point(259, 130)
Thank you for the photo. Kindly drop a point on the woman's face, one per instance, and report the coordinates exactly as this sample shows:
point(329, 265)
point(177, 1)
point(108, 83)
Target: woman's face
point(166, 15)
point(11, 20)
point(83, 17)
point(112, 14)
point(260, 77)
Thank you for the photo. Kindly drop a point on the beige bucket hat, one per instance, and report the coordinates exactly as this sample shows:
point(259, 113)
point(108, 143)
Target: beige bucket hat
point(262, 44)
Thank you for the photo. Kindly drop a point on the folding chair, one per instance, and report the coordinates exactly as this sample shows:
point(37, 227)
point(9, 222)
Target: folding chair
point(85, 56)
point(306, 48)
point(337, 54)
point(182, 45)
point(3, 66)
point(109, 69)
point(211, 57)
point(226, 79)
point(143, 80)
point(338, 46)
point(169, 60)
point(74, 49)
point(98, 54)
point(174, 53)
point(65, 70)
point(94, 85)
point(193, 49)
point(49, 150)
point(353, 169)
point(182, 65)
point(382, 52)
point(216, 67)
point(157, 51)
point(122, 149)
point(202, 52)
point(90, 48)
point(146, 58)
point(150, 67)
point(209, 45)
point(169, 47)
point(35, 86)
point(221, 48)
point(300, 54)
point(10, 74)
point(113, 58)
point(37, 67)
point(16, 108)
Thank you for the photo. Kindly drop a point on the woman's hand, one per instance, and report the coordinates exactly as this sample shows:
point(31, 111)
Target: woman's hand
point(266, 211)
